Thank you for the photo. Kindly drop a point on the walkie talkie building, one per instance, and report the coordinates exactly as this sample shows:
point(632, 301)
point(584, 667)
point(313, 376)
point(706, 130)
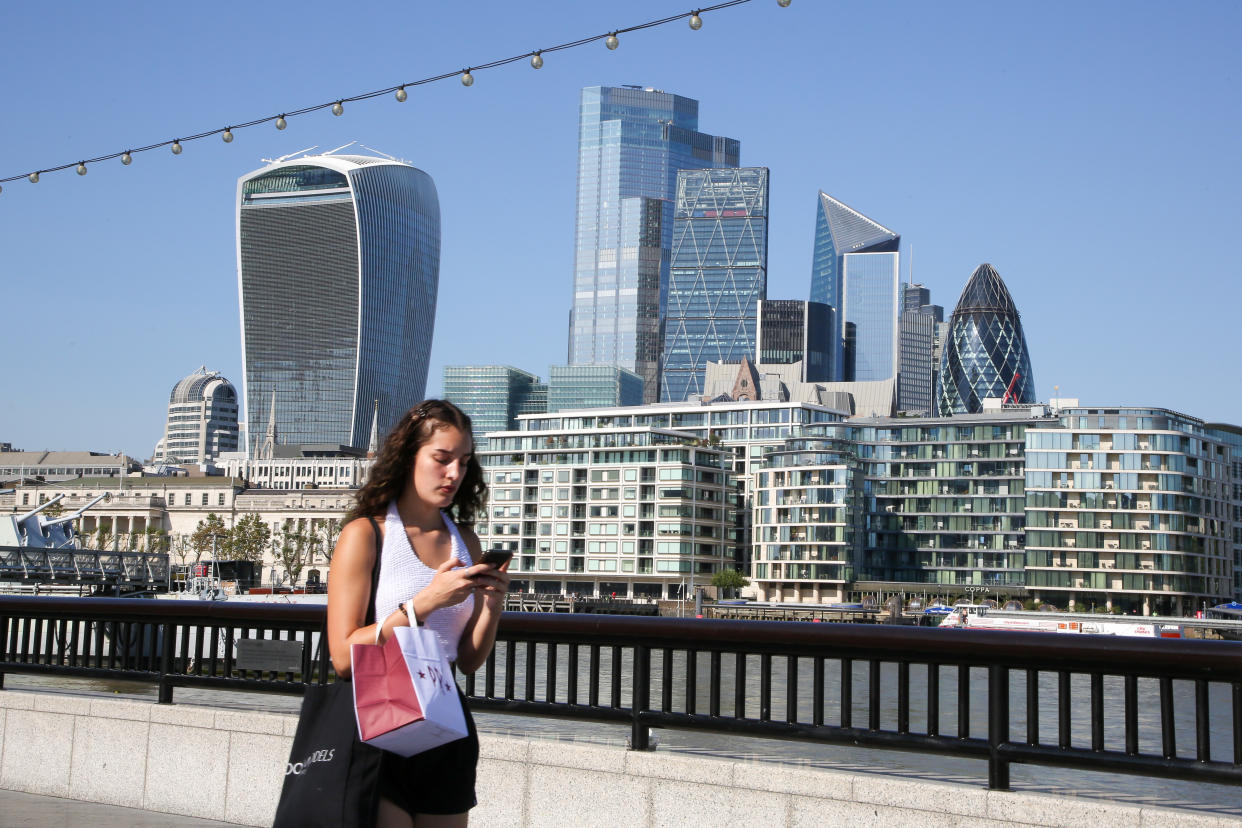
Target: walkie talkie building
point(338, 269)
point(986, 354)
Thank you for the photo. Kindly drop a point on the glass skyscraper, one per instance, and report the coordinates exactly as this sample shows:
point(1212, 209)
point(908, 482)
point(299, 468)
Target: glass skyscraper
point(840, 231)
point(338, 269)
point(631, 144)
point(492, 395)
point(871, 303)
point(717, 276)
point(592, 386)
point(986, 350)
point(916, 373)
point(791, 330)
point(915, 378)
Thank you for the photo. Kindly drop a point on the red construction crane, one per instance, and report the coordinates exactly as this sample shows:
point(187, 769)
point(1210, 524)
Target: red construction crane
point(1009, 390)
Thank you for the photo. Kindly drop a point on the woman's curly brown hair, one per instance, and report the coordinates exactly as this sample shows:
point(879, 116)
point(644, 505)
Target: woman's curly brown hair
point(390, 474)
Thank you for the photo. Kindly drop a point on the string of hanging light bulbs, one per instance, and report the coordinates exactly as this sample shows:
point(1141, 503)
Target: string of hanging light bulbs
point(281, 121)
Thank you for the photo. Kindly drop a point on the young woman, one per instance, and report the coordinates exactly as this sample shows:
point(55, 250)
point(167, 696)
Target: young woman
point(422, 495)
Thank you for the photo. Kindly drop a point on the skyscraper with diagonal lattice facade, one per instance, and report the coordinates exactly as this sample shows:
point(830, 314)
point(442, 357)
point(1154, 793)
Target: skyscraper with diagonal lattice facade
point(718, 274)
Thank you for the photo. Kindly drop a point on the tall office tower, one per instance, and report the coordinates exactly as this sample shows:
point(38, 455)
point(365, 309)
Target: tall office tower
point(872, 304)
point(841, 231)
point(718, 274)
point(202, 419)
point(338, 268)
point(592, 386)
point(914, 296)
point(492, 395)
point(916, 374)
point(792, 331)
point(915, 377)
point(631, 144)
point(985, 355)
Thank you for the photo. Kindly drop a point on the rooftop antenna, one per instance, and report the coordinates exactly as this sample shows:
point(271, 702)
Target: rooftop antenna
point(290, 155)
point(341, 147)
point(377, 152)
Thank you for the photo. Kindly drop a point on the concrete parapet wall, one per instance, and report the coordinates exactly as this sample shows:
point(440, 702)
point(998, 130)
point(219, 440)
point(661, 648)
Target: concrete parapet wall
point(227, 765)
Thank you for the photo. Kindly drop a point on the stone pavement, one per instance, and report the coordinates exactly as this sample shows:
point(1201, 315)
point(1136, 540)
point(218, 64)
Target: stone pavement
point(23, 810)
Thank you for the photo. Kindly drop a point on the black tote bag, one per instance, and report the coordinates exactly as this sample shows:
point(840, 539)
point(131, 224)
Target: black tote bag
point(331, 777)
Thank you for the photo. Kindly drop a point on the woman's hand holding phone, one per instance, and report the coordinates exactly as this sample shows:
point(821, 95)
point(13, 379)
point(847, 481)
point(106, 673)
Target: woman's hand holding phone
point(493, 580)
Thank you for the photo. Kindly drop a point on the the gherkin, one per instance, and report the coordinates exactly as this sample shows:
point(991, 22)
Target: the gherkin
point(985, 349)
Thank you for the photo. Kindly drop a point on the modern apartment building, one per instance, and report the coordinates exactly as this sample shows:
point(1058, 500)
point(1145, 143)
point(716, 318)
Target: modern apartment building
point(719, 273)
point(338, 271)
point(1231, 435)
point(202, 420)
point(1130, 506)
point(805, 535)
point(585, 442)
point(633, 511)
point(945, 504)
point(632, 141)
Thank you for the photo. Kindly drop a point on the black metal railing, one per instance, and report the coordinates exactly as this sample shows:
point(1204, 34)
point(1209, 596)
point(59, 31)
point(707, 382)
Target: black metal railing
point(88, 567)
point(169, 643)
point(1170, 708)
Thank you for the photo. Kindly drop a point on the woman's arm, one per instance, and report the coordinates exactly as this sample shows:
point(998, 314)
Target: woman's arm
point(479, 635)
point(349, 591)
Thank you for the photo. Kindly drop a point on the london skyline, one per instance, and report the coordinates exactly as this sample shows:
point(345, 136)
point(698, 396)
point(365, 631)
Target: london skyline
point(1072, 158)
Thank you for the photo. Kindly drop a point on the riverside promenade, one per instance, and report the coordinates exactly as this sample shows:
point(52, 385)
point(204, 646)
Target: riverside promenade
point(135, 760)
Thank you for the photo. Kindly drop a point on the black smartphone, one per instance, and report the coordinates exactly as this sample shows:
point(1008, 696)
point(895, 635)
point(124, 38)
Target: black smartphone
point(496, 556)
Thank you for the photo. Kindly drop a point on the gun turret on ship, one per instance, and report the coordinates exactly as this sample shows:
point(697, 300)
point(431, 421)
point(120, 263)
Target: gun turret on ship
point(34, 530)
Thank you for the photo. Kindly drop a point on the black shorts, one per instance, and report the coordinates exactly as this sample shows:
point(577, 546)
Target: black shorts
point(436, 781)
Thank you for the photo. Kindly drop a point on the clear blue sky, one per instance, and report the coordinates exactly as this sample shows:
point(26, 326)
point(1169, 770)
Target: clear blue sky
point(1089, 151)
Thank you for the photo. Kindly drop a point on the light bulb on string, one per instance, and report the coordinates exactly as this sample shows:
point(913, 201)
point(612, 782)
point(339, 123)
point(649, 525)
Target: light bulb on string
point(611, 42)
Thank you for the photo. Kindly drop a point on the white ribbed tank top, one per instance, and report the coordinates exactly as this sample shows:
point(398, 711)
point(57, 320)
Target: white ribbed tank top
point(402, 575)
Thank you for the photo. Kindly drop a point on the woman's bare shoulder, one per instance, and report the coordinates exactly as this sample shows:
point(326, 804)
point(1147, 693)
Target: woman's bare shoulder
point(361, 529)
point(356, 542)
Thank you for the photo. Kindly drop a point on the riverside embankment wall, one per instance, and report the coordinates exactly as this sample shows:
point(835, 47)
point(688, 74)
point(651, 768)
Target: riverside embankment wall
point(227, 765)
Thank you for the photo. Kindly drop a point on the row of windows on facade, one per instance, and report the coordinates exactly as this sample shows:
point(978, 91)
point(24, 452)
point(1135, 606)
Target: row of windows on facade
point(77, 471)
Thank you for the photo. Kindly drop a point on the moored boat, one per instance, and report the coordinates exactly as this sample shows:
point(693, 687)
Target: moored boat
point(979, 617)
